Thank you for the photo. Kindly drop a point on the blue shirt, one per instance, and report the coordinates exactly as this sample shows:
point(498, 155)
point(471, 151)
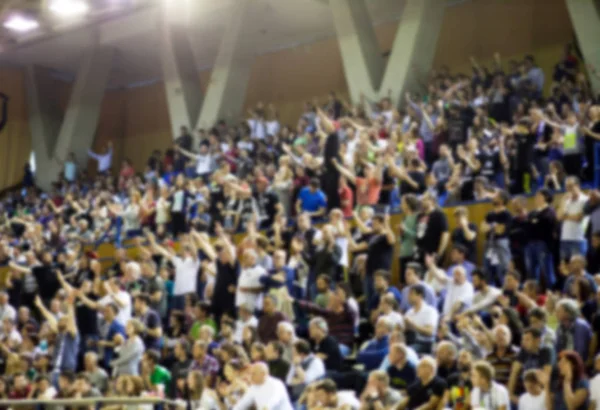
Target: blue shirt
point(372, 355)
point(312, 201)
point(114, 329)
point(70, 171)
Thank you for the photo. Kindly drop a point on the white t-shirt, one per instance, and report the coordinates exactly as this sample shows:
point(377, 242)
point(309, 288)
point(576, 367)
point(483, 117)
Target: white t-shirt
point(458, 293)
point(492, 400)
point(271, 395)
point(240, 325)
point(314, 371)
point(595, 391)
point(426, 316)
point(203, 163)
point(186, 275)
point(529, 402)
point(395, 318)
point(250, 278)
point(348, 398)
point(257, 128)
point(571, 230)
point(272, 127)
point(124, 312)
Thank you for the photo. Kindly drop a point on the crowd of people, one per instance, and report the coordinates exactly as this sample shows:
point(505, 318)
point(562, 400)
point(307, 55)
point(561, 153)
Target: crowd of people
point(256, 264)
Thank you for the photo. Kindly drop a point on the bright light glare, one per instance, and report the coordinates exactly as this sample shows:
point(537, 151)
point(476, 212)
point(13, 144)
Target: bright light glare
point(21, 24)
point(69, 8)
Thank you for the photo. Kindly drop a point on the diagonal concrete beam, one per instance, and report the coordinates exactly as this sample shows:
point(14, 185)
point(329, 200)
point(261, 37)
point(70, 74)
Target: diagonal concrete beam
point(585, 16)
point(225, 95)
point(53, 138)
point(414, 45)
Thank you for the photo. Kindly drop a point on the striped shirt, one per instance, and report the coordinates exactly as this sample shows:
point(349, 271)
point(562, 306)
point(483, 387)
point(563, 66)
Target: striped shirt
point(503, 364)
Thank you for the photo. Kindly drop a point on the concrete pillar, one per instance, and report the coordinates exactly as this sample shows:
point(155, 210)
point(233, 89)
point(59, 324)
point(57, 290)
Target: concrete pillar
point(585, 16)
point(414, 46)
point(180, 76)
point(226, 92)
point(364, 63)
point(53, 138)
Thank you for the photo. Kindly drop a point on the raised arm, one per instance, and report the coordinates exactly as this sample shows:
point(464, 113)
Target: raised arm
point(187, 153)
point(46, 314)
point(343, 170)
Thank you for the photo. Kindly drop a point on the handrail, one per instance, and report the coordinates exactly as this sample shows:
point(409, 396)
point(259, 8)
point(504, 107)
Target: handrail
point(89, 401)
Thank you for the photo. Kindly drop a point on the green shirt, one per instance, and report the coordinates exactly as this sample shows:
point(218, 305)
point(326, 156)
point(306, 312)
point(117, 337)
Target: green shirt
point(195, 329)
point(159, 376)
point(408, 239)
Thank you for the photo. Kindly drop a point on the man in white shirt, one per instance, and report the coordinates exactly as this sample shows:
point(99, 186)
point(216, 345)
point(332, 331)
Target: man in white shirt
point(186, 265)
point(104, 160)
point(265, 393)
point(249, 289)
point(421, 322)
point(485, 295)
point(459, 294)
point(487, 394)
point(574, 222)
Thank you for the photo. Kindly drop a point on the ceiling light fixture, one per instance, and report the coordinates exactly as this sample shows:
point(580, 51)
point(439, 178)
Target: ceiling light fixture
point(21, 24)
point(69, 8)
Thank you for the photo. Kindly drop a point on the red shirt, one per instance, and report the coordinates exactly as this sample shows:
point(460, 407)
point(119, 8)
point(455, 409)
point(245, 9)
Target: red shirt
point(346, 195)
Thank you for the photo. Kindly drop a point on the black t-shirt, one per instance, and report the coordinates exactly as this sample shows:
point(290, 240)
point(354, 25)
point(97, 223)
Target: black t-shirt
point(499, 218)
point(461, 387)
point(47, 281)
point(523, 157)
point(86, 317)
point(331, 349)
point(543, 225)
point(419, 178)
point(430, 227)
point(490, 163)
point(419, 394)
point(267, 203)
point(223, 299)
point(535, 360)
point(458, 238)
point(151, 320)
point(379, 254)
point(387, 181)
point(519, 232)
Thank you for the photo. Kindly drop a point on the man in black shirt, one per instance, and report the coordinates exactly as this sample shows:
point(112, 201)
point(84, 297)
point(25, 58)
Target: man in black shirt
point(496, 228)
point(228, 270)
point(324, 345)
point(181, 366)
point(267, 202)
point(150, 319)
point(427, 390)
point(543, 228)
point(432, 230)
point(184, 140)
point(380, 251)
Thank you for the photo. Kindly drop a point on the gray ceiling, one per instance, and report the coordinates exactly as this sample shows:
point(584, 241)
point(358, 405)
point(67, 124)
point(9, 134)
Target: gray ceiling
point(133, 31)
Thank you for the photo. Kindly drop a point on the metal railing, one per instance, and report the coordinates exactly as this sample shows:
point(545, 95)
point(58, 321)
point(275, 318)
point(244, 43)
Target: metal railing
point(91, 401)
